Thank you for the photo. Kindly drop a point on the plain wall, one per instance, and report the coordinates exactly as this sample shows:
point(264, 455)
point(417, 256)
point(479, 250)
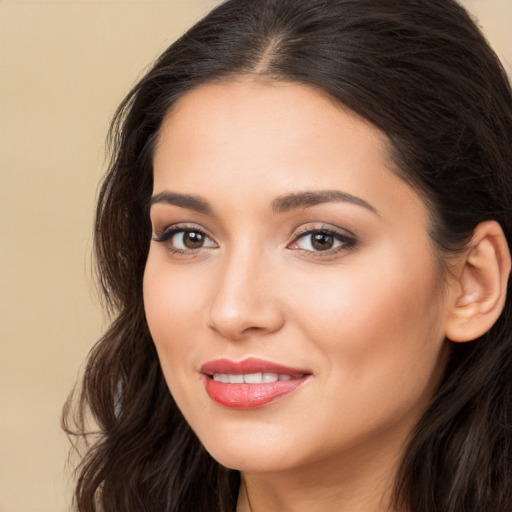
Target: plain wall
point(64, 67)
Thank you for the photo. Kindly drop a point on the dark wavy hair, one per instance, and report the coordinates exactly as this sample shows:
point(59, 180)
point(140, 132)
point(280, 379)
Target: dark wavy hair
point(421, 71)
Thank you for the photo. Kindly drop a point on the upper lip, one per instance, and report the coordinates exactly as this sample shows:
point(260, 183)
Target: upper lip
point(250, 365)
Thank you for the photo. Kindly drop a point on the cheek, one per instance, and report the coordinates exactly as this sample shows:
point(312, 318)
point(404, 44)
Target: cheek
point(173, 305)
point(377, 319)
point(380, 350)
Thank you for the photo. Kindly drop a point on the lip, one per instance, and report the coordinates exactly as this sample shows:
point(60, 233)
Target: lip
point(249, 365)
point(250, 396)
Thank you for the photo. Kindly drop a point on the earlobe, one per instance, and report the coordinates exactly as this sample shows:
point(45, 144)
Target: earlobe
point(481, 284)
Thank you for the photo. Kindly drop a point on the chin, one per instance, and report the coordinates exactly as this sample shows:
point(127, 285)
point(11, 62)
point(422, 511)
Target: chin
point(259, 453)
point(249, 462)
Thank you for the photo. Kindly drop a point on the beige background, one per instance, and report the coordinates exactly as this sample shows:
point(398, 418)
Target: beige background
point(64, 66)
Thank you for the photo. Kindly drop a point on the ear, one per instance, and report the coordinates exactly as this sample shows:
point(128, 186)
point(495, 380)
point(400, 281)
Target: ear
point(480, 287)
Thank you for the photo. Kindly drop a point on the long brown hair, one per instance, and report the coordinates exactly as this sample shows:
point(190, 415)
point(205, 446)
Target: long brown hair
point(423, 73)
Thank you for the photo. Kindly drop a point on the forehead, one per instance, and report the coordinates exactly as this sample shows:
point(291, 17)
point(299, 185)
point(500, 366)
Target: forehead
point(262, 140)
point(278, 106)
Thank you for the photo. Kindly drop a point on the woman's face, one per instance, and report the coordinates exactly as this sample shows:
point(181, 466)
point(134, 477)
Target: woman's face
point(291, 287)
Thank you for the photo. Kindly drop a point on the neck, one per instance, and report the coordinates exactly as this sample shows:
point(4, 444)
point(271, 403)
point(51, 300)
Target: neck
point(365, 486)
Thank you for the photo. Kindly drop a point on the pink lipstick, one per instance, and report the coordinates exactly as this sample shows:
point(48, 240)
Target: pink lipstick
point(250, 383)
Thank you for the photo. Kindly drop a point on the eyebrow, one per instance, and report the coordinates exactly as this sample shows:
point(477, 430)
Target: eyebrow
point(182, 200)
point(281, 204)
point(307, 199)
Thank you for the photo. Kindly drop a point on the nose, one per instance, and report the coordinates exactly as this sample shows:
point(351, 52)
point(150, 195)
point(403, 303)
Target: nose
point(244, 302)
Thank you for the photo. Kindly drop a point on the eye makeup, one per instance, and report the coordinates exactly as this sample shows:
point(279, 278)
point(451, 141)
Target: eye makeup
point(322, 241)
point(313, 241)
point(184, 239)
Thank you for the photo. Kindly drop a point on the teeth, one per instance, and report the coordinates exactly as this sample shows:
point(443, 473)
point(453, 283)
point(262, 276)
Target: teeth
point(250, 378)
point(253, 378)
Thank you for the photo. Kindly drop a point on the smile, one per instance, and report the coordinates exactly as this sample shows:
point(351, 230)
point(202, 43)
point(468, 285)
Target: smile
point(251, 378)
point(251, 383)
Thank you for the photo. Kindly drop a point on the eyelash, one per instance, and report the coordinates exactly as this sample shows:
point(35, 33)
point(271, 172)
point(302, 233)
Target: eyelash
point(169, 233)
point(346, 242)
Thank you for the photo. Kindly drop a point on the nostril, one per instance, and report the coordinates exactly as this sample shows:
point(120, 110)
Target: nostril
point(243, 304)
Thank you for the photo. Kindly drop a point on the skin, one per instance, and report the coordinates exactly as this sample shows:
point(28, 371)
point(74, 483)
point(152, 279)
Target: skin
point(367, 319)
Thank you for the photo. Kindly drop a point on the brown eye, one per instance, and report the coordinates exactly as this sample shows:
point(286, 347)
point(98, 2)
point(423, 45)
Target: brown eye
point(193, 239)
point(183, 239)
point(322, 241)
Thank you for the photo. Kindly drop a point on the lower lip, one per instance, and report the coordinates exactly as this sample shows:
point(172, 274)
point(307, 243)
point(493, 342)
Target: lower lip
point(249, 396)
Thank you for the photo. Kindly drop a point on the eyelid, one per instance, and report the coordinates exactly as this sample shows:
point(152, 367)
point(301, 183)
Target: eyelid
point(346, 238)
point(179, 227)
point(327, 228)
point(167, 233)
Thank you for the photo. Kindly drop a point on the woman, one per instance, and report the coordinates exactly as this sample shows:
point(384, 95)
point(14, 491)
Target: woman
point(303, 236)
